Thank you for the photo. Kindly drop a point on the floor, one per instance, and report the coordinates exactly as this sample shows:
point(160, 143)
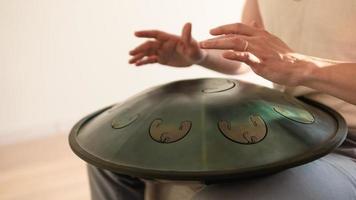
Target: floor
point(42, 169)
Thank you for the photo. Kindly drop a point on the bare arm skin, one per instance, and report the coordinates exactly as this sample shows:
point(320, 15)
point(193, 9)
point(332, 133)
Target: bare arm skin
point(337, 79)
point(271, 58)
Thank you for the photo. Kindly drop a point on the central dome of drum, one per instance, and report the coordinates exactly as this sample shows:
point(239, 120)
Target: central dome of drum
point(207, 129)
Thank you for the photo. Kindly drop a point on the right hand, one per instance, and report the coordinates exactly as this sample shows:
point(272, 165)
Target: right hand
point(167, 49)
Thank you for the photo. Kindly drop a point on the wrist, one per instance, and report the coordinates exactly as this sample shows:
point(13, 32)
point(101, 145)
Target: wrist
point(310, 74)
point(311, 71)
point(204, 55)
point(301, 69)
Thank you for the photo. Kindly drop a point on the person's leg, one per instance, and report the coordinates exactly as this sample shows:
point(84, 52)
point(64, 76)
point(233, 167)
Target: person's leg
point(329, 178)
point(106, 185)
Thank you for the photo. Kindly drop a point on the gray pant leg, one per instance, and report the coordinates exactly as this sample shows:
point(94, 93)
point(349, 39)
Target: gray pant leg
point(332, 177)
point(106, 185)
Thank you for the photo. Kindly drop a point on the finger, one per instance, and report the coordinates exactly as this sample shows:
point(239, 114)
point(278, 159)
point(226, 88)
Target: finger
point(226, 36)
point(244, 57)
point(237, 28)
point(234, 43)
point(159, 35)
point(187, 34)
point(136, 57)
point(147, 46)
point(148, 60)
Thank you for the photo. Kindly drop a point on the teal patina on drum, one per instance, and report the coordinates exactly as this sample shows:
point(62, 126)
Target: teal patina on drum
point(207, 129)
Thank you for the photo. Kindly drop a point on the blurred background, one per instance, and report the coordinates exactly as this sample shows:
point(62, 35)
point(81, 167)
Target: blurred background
point(62, 59)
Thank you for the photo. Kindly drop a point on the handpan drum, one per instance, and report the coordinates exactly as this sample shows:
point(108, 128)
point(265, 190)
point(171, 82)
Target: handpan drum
point(208, 130)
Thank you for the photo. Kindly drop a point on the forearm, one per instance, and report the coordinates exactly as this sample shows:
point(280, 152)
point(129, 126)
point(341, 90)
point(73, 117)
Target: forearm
point(216, 62)
point(334, 78)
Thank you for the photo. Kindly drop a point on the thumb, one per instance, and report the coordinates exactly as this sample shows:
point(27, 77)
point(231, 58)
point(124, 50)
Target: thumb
point(187, 34)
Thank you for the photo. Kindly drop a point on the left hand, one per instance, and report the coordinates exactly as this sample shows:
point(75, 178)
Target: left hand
point(266, 54)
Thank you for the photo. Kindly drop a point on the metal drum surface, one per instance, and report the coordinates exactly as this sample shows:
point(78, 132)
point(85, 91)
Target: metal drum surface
point(207, 129)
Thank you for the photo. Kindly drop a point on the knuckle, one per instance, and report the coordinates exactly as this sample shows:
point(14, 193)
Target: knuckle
point(246, 56)
point(150, 43)
point(236, 40)
point(238, 26)
point(265, 56)
point(157, 33)
point(211, 43)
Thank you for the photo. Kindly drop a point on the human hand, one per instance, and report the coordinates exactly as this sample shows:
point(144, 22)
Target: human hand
point(266, 54)
point(167, 49)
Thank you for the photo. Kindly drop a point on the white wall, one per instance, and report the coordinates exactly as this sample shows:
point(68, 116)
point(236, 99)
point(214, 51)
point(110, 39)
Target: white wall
point(62, 59)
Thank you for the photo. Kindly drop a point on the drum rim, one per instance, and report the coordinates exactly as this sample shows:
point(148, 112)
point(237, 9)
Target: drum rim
point(312, 155)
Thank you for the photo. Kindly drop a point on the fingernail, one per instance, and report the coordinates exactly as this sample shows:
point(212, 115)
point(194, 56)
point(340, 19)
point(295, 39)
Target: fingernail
point(212, 31)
